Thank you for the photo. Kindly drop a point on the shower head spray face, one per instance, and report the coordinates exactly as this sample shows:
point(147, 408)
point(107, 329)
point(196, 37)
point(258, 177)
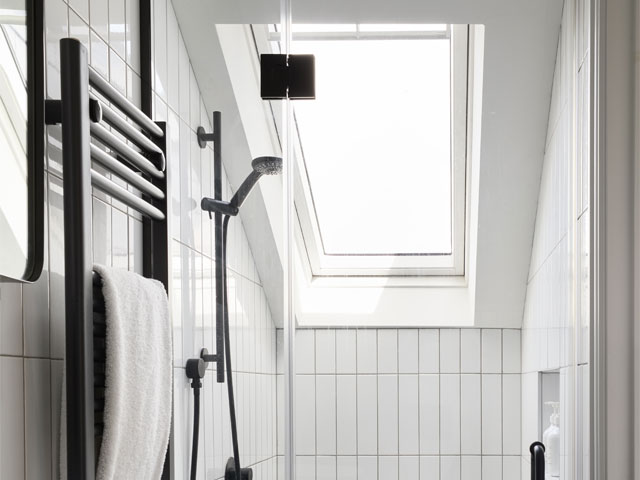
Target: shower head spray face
point(267, 165)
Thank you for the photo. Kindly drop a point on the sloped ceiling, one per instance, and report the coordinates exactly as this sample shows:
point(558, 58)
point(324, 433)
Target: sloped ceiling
point(519, 51)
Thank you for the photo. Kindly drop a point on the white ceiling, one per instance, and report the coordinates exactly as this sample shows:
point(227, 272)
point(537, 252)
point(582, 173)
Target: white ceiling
point(519, 54)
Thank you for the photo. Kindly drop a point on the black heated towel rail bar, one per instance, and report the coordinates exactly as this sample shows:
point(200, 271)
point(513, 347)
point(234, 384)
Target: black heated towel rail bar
point(537, 461)
point(136, 155)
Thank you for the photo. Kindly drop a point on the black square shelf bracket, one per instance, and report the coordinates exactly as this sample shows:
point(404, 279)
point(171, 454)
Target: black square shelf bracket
point(287, 76)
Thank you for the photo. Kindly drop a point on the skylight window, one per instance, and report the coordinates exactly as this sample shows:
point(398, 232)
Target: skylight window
point(381, 152)
point(376, 145)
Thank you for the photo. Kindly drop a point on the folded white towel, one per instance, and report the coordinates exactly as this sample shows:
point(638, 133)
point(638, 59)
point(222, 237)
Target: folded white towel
point(138, 393)
point(137, 409)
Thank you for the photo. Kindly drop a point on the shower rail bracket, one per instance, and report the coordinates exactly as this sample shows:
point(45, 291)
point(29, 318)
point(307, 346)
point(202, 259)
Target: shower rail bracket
point(207, 357)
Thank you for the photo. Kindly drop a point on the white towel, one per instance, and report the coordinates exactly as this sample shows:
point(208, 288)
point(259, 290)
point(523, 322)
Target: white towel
point(138, 394)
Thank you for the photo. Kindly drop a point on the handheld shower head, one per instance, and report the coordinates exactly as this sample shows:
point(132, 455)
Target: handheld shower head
point(261, 166)
point(267, 165)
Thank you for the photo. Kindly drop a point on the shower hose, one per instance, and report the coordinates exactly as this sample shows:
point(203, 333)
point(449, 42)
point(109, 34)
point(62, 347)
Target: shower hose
point(196, 386)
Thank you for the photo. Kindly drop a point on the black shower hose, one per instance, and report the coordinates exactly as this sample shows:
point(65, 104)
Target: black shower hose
point(196, 386)
point(227, 352)
point(196, 430)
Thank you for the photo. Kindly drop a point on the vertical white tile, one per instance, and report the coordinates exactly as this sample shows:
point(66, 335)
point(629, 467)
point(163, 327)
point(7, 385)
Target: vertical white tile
point(305, 467)
point(120, 239)
point(196, 193)
point(429, 350)
point(305, 415)
point(280, 350)
point(117, 20)
point(429, 468)
point(491, 351)
point(209, 426)
point(449, 414)
point(305, 351)
point(10, 318)
point(345, 351)
point(325, 351)
point(326, 414)
point(491, 415)
point(530, 411)
point(492, 468)
point(367, 468)
point(510, 414)
point(12, 453)
point(37, 387)
point(470, 415)
point(81, 7)
point(347, 468)
point(409, 467)
point(56, 27)
point(366, 345)
point(470, 350)
point(280, 414)
point(194, 106)
point(449, 350)
point(511, 468)
point(408, 416)
point(388, 467)
point(407, 351)
point(387, 351)
point(160, 46)
point(471, 468)
point(346, 415)
point(184, 80)
point(99, 17)
point(387, 414)
point(449, 468)
point(35, 311)
point(101, 229)
point(118, 74)
point(132, 33)
point(367, 413)
point(326, 468)
point(173, 49)
point(511, 351)
point(56, 409)
point(429, 392)
point(99, 57)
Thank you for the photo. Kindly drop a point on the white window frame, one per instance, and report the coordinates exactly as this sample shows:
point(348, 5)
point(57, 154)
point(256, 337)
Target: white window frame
point(365, 265)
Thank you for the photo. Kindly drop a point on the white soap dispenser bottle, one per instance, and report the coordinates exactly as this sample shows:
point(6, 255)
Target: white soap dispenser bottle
point(551, 440)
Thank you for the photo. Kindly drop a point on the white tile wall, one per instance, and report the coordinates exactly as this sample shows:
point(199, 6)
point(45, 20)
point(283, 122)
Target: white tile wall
point(32, 316)
point(559, 263)
point(399, 408)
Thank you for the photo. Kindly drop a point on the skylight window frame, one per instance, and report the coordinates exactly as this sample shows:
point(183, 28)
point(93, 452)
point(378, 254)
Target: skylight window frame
point(322, 264)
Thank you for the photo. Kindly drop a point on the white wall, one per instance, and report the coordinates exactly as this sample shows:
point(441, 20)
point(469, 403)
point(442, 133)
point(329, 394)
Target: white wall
point(406, 404)
point(555, 332)
point(32, 316)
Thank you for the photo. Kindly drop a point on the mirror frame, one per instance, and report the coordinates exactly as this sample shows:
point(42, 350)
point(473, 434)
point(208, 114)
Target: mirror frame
point(35, 139)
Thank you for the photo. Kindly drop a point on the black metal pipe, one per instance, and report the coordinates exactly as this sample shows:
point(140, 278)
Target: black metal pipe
point(74, 86)
point(220, 263)
point(116, 167)
point(119, 100)
point(125, 196)
point(125, 151)
point(537, 460)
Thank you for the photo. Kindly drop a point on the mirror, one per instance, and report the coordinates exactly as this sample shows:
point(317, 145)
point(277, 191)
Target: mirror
point(21, 140)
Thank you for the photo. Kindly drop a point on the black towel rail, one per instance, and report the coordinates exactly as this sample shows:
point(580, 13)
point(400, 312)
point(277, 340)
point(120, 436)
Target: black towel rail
point(141, 164)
